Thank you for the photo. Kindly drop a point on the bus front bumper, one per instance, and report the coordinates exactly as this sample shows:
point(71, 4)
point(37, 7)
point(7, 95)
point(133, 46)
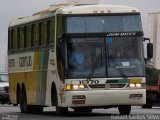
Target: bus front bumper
point(105, 98)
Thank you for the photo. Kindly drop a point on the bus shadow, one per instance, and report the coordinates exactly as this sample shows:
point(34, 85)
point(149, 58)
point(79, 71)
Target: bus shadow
point(73, 114)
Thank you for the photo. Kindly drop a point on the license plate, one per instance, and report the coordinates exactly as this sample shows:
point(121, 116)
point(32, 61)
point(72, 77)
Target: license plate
point(136, 96)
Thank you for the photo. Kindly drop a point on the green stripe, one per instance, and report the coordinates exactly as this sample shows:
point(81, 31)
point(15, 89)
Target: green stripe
point(118, 81)
point(42, 74)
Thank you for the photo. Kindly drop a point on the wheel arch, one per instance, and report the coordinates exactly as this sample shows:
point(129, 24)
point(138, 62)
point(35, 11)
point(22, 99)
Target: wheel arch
point(54, 97)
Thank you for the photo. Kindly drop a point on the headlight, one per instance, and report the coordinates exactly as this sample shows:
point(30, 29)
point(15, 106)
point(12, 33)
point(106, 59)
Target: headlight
point(75, 87)
point(138, 85)
point(135, 85)
point(132, 85)
point(81, 86)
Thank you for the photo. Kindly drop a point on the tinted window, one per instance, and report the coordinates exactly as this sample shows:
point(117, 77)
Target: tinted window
point(123, 23)
point(22, 37)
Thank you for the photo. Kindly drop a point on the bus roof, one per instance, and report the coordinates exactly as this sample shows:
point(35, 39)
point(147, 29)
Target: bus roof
point(73, 9)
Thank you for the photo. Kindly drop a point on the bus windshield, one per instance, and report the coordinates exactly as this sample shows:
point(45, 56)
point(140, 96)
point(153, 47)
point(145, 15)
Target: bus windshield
point(125, 54)
point(116, 55)
point(82, 55)
point(94, 24)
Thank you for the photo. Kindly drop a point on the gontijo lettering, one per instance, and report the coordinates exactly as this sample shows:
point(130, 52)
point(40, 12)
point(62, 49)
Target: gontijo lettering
point(25, 61)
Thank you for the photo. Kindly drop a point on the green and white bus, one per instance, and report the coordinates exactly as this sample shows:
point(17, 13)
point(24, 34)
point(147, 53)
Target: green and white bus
point(40, 49)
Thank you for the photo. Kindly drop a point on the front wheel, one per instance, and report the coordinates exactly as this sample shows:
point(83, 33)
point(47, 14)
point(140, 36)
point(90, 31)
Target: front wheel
point(124, 109)
point(61, 110)
point(149, 102)
point(82, 110)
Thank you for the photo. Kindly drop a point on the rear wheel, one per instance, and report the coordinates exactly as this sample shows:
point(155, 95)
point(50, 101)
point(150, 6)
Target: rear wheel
point(23, 103)
point(25, 108)
point(124, 109)
point(18, 94)
point(15, 105)
point(82, 110)
point(37, 109)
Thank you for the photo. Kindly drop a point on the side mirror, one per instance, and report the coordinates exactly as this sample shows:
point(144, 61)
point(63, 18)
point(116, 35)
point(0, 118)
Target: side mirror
point(149, 50)
point(147, 39)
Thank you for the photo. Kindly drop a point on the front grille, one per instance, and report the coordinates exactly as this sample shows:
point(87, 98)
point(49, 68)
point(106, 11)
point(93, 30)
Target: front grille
point(100, 86)
point(97, 86)
point(117, 85)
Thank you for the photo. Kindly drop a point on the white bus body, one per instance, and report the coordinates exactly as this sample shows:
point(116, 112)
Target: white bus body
point(38, 74)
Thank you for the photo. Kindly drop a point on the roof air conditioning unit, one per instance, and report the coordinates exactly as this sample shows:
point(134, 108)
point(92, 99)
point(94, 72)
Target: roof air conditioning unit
point(78, 2)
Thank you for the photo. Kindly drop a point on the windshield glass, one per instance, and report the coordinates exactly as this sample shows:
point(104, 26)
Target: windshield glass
point(116, 56)
point(125, 55)
point(3, 78)
point(118, 23)
point(82, 54)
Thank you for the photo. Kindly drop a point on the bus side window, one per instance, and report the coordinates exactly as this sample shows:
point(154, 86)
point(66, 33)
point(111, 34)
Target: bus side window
point(36, 34)
point(12, 33)
point(48, 31)
point(52, 32)
point(28, 36)
point(18, 38)
point(15, 39)
point(40, 32)
point(32, 35)
point(22, 37)
point(44, 33)
point(9, 40)
point(25, 37)
point(59, 26)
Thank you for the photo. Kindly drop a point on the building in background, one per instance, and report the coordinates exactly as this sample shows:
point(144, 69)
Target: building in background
point(6, 64)
point(3, 62)
point(154, 35)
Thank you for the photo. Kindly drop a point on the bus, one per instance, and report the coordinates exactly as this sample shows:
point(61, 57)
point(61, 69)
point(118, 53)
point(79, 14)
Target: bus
point(44, 69)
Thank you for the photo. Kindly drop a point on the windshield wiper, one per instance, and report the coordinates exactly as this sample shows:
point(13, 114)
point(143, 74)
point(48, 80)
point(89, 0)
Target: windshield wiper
point(115, 64)
point(120, 70)
point(93, 68)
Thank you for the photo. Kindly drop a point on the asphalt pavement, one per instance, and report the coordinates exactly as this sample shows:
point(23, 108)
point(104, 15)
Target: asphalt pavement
point(9, 112)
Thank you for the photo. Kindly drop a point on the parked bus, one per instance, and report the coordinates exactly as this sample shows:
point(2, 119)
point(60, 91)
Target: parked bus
point(68, 56)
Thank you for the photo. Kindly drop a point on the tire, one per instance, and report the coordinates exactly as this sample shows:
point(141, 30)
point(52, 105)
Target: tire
point(37, 109)
point(124, 109)
point(82, 110)
point(149, 103)
point(15, 105)
point(24, 107)
point(61, 110)
point(18, 95)
point(54, 99)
